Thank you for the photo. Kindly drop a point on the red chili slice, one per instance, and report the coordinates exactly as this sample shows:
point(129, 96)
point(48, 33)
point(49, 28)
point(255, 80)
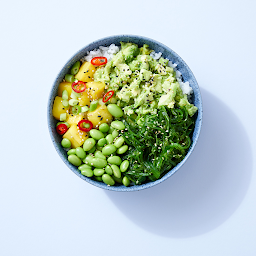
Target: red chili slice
point(79, 86)
point(98, 61)
point(61, 129)
point(108, 96)
point(81, 125)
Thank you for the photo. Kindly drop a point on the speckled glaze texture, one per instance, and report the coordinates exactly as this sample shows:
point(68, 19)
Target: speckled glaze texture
point(157, 47)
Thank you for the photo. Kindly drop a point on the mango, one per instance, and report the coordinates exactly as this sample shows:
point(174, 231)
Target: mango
point(76, 136)
point(64, 86)
point(74, 119)
point(58, 108)
point(99, 116)
point(86, 72)
point(96, 89)
point(85, 99)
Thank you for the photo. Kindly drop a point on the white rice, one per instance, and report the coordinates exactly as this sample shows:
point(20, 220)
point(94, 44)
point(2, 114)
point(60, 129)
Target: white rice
point(111, 50)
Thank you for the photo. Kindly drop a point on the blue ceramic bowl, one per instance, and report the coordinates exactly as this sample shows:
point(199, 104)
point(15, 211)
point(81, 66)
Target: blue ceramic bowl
point(157, 47)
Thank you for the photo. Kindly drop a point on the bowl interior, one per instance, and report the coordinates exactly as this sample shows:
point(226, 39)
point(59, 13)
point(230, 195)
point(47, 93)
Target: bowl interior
point(157, 47)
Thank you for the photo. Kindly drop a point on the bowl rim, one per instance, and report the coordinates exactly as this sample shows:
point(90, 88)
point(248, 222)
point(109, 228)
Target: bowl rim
point(122, 188)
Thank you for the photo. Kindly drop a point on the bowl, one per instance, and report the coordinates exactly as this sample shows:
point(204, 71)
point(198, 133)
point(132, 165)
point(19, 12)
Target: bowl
point(166, 53)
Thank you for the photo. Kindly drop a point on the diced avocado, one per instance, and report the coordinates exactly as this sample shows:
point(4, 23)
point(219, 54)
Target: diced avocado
point(163, 61)
point(130, 52)
point(145, 50)
point(169, 98)
point(190, 107)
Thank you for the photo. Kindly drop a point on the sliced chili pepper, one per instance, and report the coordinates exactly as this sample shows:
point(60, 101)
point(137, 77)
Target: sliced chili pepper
point(61, 129)
point(79, 86)
point(81, 125)
point(98, 61)
point(108, 96)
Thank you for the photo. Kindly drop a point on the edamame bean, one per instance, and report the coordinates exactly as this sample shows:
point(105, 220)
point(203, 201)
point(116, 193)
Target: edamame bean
point(93, 105)
point(124, 165)
point(109, 138)
point(98, 162)
point(80, 152)
point(126, 181)
point(115, 111)
point(98, 178)
point(108, 149)
point(92, 150)
point(119, 180)
point(98, 154)
point(107, 179)
point(108, 170)
point(89, 144)
point(115, 133)
point(88, 160)
point(111, 129)
point(75, 160)
point(104, 127)
point(115, 160)
point(116, 171)
point(98, 172)
point(87, 172)
point(69, 78)
point(118, 125)
point(122, 150)
point(95, 134)
point(84, 166)
point(102, 142)
point(119, 142)
point(75, 68)
point(99, 148)
point(65, 95)
point(65, 143)
point(71, 152)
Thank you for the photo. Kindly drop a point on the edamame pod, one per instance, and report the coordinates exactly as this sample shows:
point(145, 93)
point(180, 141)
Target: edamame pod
point(107, 179)
point(75, 160)
point(89, 144)
point(118, 125)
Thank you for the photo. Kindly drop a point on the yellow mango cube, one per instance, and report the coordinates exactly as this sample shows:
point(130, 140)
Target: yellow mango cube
point(84, 100)
point(64, 86)
point(86, 72)
point(96, 89)
point(58, 108)
point(74, 119)
point(76, 136)
point(99, 116)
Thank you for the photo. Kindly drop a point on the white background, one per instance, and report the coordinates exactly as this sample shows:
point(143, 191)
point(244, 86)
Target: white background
point(207, 208)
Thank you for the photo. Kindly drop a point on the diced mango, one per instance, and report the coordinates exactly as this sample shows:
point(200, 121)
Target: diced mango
point(99, 116)
point(96, 89)
point(76, 136)
point(74, 119)
point(64, 86)
point(85, 98)
point(86, 72)
point(58, 108)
